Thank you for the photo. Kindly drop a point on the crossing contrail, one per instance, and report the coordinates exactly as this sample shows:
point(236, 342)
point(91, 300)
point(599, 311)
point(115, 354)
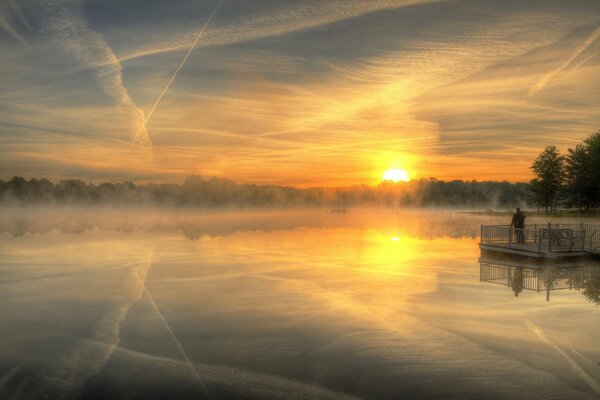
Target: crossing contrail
point(181, 64)
point(164, 320)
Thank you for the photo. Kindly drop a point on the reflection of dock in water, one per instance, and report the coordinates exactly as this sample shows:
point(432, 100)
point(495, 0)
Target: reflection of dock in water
point(543, 240)
point(519, 276)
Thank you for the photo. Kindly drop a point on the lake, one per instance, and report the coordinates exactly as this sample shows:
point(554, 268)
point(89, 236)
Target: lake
point(303, 304)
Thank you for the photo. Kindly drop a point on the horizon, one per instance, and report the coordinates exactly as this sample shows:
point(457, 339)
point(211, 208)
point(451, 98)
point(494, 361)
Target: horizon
point(317, 94)
point(207, 178)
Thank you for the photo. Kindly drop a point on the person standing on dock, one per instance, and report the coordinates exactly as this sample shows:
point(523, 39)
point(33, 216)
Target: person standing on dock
point(518, 221)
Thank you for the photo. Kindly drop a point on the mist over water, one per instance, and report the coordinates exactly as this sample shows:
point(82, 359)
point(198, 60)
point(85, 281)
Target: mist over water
point(276, 304)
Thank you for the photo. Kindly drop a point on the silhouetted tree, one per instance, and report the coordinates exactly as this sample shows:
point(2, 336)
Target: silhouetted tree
point(549, 169)
point(578, 181)
point(592, 144)
point(582, 174)
point(216, 192)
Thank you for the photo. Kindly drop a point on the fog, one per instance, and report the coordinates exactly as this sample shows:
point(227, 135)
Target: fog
point(195, 223)
point(215, 193)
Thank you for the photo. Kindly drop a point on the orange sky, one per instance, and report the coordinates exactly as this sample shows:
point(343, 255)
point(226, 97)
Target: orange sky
point(312, 93)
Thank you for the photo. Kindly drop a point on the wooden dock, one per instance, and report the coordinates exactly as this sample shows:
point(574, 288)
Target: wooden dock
point(543, 240)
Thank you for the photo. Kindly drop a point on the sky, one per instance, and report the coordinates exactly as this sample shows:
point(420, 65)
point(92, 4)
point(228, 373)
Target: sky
point(293, 92)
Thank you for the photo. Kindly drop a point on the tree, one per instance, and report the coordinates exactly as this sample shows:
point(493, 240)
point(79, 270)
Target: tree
point(592, 143)
point(534, 185)
point(577, 178)
point(583, 174)
point(548, 167)
point(217, 192)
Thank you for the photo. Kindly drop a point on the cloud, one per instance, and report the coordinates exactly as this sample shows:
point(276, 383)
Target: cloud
point(143, 128)
point(278, 21)
point(487, 122)
point(375, 107)
point(65, 24)
point(310, 93)
point(13, 21)
point(580, 49)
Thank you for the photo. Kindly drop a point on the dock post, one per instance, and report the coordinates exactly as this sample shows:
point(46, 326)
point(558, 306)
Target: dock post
point(549, 237)
point(510, 234)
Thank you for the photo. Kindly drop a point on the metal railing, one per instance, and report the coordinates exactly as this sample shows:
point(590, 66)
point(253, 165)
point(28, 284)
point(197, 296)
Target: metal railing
point(594, 245)
point(539, 279)
point(544, 238)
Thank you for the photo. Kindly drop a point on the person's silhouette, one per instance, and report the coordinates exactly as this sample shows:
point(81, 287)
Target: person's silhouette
point(518, 221)
point(517, 281)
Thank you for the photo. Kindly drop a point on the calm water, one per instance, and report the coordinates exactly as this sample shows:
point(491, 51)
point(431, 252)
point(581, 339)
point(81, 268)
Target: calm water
point(278, 305)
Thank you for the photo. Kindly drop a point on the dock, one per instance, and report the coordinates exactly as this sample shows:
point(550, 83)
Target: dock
point(550, 241)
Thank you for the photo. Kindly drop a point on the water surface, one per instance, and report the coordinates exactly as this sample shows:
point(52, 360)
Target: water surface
point(371, 304)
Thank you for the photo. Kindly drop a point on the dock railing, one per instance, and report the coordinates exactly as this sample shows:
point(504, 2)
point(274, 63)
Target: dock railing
point(544, 238)
point(539, 277)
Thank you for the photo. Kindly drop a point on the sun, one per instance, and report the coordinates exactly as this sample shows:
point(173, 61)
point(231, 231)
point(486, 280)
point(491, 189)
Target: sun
point(396, 175)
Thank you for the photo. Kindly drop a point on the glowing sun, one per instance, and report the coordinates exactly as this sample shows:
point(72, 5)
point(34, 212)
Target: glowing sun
point(396, 175)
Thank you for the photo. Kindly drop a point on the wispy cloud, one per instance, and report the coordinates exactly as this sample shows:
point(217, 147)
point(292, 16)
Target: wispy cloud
point(278, 21)
point(580, 49)
point(13, 21)
point(65, 24)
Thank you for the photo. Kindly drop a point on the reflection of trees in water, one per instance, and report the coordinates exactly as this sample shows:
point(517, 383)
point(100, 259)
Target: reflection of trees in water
point(543, 277)
point(195, 223)
point(591, 289)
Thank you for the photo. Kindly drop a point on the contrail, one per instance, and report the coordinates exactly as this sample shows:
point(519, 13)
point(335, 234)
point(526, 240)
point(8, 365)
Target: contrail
point(584, 61)
point(580, 49)
point(586, 377)
point(175, 74)
point(174, 337)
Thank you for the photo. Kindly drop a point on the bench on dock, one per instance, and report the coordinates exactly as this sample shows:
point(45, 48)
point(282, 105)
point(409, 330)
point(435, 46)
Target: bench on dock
point(542, 240)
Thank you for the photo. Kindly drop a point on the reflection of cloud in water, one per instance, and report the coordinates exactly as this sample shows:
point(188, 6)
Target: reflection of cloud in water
point(65, 352)
point(177, 342)
point(331, 308)
point(576, 367)
point(491, 317)
point(152, 377)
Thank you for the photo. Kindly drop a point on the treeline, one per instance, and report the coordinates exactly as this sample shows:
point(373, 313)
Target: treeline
point(570, 180)
point(217, 192)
